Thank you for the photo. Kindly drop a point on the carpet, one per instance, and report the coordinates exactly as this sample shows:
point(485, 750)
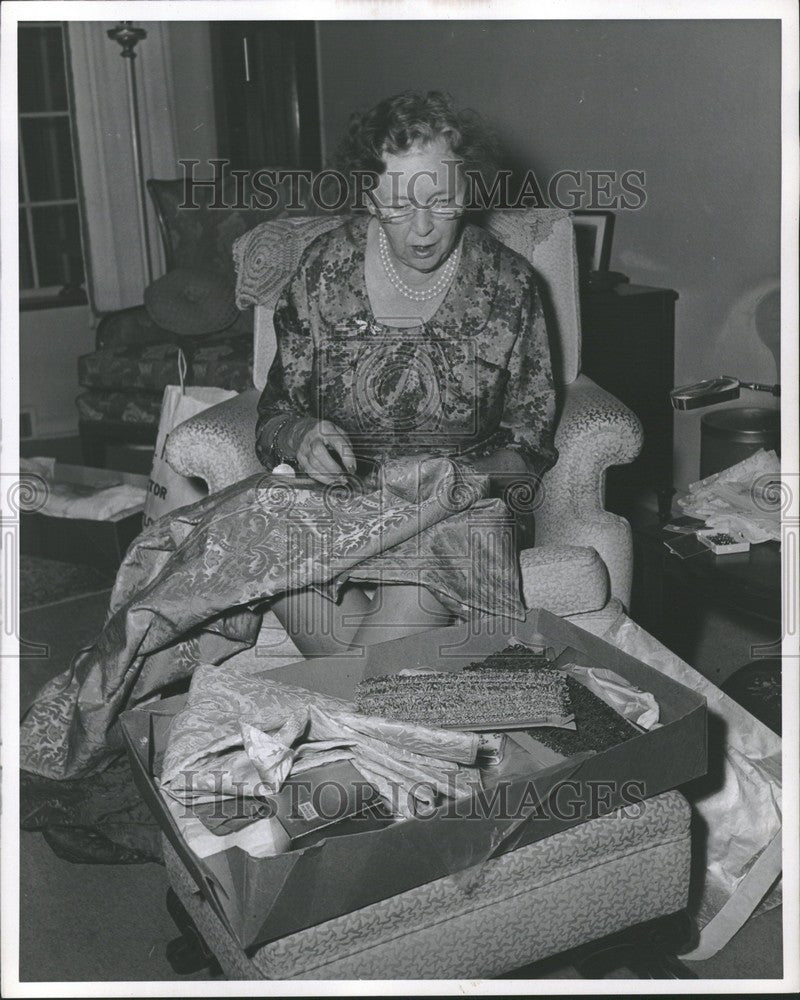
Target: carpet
point(84, 922)
point(52, 634)
point(46, 581)
point(757, 686)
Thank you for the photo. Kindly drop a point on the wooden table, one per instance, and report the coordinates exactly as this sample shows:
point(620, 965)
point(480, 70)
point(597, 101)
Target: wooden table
point(746, 582)
point(672, 597)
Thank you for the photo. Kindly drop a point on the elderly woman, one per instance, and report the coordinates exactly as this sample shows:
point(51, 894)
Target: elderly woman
point(409, 341)
point(406, 332)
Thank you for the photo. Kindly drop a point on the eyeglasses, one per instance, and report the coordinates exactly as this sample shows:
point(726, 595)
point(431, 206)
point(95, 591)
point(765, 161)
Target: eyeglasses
point(391, 215)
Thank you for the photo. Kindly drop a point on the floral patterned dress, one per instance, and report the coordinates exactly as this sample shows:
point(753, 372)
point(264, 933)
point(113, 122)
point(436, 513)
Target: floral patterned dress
point(474, 378)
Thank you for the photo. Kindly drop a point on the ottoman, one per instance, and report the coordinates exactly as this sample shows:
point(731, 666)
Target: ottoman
point(590, 881)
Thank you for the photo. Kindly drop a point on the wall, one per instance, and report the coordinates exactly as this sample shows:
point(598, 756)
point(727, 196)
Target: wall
point(50, 342)
point(193, 87)
point(696, 105)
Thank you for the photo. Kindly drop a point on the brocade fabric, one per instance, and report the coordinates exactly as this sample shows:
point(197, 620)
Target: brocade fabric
point(193, 586)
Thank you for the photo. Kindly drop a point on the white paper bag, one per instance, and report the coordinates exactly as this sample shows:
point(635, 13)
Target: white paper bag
point(167, 489)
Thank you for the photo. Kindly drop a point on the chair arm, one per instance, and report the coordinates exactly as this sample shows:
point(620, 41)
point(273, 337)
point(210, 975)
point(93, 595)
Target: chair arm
point(130, 326)
point(595, 431)
point(564, 579)
point(218, 445)
point(610, 536)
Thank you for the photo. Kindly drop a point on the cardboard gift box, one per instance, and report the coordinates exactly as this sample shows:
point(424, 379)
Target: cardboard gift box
point(98, 543)
point(260, 899)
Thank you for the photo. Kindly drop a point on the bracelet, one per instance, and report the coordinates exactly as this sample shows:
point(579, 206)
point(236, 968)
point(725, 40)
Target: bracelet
point(271, 448)
point(285, 440)
point(289, 437)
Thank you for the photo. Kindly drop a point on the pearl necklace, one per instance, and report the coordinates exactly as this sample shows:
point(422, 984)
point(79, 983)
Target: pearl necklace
point(417, 295)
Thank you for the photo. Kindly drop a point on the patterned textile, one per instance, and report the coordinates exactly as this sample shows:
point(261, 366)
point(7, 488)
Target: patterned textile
point(498, 695)
point(204, 233)
point(267, 256)
point(621, 869)
point(564, 579)
point(132, 367)
point(222, 359)
point(130, 407)
point(474, 378)
point(192, 586)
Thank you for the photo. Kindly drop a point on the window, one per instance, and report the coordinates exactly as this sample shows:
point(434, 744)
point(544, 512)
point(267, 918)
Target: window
point(50, 255)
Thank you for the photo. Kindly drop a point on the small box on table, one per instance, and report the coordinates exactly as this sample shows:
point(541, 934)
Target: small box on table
point(98, 543)
point(260, 899)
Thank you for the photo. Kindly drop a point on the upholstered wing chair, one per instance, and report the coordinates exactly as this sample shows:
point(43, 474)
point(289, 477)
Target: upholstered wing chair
point(583, 553)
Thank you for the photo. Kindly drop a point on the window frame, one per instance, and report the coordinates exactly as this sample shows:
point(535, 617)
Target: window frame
point(48, 296)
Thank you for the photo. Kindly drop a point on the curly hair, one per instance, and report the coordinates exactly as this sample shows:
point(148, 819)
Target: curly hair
point(396, 123)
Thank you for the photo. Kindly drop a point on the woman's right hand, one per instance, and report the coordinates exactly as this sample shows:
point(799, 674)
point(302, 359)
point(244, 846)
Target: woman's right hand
point(314, 456)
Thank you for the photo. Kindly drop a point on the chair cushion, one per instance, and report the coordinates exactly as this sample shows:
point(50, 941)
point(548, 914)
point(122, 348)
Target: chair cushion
point(564, 579)
point(192, 300)
point(204, 232)
point(129, 407)
point(224, 360)
point(129, 367)
point(621, 869)
point(602, 621)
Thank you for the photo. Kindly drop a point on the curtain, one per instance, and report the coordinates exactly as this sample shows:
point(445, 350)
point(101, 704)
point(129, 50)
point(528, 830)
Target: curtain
point(114, 249)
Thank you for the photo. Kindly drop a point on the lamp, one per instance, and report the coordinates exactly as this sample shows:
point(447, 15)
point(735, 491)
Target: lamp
point(729, 435)
point(715, 390)
point(127, 36)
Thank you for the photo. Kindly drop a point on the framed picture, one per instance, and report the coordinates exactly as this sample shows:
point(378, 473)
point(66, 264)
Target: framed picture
point(594, 232)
